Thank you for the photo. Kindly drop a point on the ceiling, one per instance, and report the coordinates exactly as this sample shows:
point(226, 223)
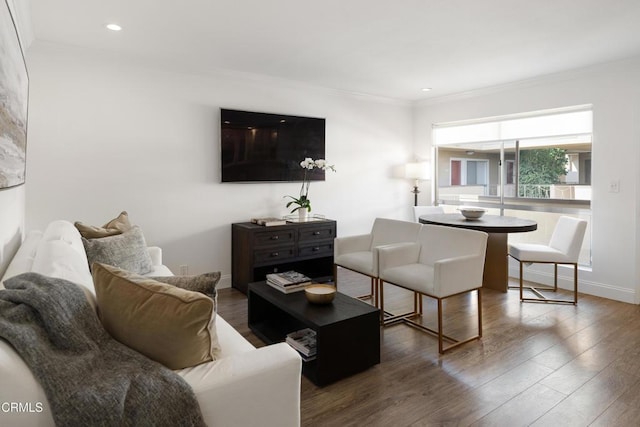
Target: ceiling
point(378, 47)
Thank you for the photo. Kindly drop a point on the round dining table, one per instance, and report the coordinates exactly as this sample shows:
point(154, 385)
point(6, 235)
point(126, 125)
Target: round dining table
point(496, 274)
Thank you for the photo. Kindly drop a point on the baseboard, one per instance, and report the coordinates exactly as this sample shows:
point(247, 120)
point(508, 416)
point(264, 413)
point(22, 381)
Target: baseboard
point(225, 281)
point(584, 285)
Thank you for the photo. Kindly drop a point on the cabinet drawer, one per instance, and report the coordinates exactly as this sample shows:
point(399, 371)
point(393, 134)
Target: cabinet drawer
point(309, 234)
point(273, 255)
point(275, 237)
point(319, 250)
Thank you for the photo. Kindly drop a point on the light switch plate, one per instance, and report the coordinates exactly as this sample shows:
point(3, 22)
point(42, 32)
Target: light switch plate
point(614, 186)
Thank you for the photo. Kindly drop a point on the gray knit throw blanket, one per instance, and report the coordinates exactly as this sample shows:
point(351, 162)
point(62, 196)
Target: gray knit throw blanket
point(89, 378)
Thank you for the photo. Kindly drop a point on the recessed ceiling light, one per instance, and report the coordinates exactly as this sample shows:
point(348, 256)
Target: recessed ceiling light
point(426, 89)
point(114, 27)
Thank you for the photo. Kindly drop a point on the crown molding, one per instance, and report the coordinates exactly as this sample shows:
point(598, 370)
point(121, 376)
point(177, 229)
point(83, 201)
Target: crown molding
point(622, 64)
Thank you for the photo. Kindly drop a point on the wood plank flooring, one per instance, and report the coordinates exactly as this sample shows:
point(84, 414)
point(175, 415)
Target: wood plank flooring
point(537, 364)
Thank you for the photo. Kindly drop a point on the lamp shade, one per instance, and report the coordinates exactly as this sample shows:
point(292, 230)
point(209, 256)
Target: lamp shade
point(417, 170)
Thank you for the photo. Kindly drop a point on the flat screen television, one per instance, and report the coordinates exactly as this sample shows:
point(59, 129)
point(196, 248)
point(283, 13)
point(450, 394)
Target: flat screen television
point(269, 147)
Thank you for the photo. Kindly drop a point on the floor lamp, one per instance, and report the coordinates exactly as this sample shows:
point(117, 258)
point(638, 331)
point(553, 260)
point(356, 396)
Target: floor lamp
point(417, 171)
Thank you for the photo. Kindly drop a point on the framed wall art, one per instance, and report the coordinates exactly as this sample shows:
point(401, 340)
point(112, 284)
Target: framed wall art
point(14, 98)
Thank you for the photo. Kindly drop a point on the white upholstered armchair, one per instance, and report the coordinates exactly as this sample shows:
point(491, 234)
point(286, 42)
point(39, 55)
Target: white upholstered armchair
point(359, 253)
point(444, 262)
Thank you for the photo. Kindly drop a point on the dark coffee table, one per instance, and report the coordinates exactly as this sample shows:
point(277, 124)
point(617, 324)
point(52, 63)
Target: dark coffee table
point(348, 330)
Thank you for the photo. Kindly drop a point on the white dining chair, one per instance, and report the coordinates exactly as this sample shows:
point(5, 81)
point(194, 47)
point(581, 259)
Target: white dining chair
point(444, 262)
point(563, 248)
point(359, 253)
point(426, 210)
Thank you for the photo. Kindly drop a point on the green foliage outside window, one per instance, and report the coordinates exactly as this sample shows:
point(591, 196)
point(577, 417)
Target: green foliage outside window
point(539, 169)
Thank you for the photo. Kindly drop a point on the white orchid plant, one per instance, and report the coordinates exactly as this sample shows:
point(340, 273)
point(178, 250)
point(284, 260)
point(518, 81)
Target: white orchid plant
point(303, 201)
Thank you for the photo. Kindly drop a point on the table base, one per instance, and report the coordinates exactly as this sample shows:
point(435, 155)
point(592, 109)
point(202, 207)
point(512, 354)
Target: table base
point(496, 270)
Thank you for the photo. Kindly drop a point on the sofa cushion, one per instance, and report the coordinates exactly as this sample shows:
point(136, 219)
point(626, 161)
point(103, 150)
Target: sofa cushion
point(118, 225)
point(173, 326)
point(60, 254)
point(57, 259)
point(203, 283)
point(127, 251)
point(64, 231)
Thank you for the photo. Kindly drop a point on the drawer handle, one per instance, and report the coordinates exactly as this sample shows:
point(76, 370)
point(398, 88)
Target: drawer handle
point(274, 237)
point(274, 254)
point(316, 233)
point(316, 249)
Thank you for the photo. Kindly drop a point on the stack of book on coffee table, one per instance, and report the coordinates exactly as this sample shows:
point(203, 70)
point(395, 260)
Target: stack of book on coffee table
point(304, 341)
point(289, 281)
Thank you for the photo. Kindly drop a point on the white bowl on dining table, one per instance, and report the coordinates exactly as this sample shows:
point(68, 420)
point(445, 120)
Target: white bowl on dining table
point(471, 213)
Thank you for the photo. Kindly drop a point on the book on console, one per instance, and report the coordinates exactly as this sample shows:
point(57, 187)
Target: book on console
point(269, 221)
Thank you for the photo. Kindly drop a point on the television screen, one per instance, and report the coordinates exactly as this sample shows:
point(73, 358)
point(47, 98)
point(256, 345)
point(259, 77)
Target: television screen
point(269, 147)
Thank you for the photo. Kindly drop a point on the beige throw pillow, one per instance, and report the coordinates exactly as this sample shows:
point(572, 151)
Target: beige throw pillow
point(118, 225)
point(173, 326)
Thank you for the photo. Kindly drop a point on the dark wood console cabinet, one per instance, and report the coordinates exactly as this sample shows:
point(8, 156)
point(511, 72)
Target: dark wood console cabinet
point(256, 250)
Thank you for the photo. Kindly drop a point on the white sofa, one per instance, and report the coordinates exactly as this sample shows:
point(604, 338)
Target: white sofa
point(246, 386)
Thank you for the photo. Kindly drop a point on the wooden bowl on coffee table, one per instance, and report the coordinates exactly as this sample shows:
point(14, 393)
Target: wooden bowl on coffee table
point(320, 293)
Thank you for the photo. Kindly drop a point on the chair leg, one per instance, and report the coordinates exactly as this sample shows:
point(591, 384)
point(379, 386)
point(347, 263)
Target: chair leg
point(440, 346)
point(543, 298)
point(374, 291)
point(381, 300)
point(479, 312)
point(575, 284)
point(388, 319)
point(520, 280)
point(407, 318)
point(372, 295)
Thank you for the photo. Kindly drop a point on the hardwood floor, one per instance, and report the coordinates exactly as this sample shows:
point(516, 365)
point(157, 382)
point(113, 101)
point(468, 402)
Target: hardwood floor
point(537, 364)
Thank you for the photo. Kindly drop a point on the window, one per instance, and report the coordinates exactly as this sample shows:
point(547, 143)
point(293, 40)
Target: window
point(544, 155)
point(535, 162)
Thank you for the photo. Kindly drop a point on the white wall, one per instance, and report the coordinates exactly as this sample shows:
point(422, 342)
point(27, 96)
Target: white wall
point(106, 136)
point(614, 91)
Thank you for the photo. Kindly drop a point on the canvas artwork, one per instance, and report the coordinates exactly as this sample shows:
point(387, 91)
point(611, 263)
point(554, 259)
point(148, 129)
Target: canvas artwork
point(14, 95)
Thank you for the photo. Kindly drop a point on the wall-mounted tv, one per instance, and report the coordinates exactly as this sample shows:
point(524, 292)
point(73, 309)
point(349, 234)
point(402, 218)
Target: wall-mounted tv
point(269, 147)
